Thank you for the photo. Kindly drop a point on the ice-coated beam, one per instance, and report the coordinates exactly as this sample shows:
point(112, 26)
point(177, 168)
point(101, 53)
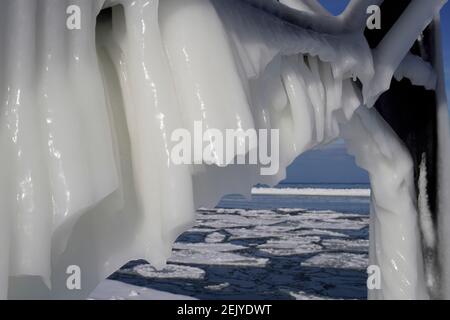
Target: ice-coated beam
point(394, 234)
point(307, 5)
point(353, 19)
point(307, 20)
point(355, 15)
point(443, 156)
point(418, 71)
point(397, 42)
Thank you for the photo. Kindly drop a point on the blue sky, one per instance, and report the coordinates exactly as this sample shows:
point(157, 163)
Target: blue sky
point(335, 6)
point(328, 165)
point(332, 164)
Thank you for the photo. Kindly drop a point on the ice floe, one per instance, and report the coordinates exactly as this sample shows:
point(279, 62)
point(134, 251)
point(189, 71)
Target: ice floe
point(304, 255)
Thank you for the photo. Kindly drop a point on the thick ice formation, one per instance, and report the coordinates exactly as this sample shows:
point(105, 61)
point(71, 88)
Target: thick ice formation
point(87, 115)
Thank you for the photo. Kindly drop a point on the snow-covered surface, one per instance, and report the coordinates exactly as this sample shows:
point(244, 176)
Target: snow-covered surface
point(427, 226)
point(338, 261)
point(170, 271)
point(116, 290)
point(313, 192)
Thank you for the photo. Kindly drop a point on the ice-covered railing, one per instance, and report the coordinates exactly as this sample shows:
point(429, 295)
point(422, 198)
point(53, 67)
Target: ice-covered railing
point(86, 176)
point(396, 44)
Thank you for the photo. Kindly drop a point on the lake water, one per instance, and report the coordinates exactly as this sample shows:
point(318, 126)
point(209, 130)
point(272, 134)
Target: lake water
point(268, 247)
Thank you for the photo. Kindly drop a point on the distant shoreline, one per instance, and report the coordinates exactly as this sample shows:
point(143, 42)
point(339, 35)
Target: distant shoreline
point(312, 192)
